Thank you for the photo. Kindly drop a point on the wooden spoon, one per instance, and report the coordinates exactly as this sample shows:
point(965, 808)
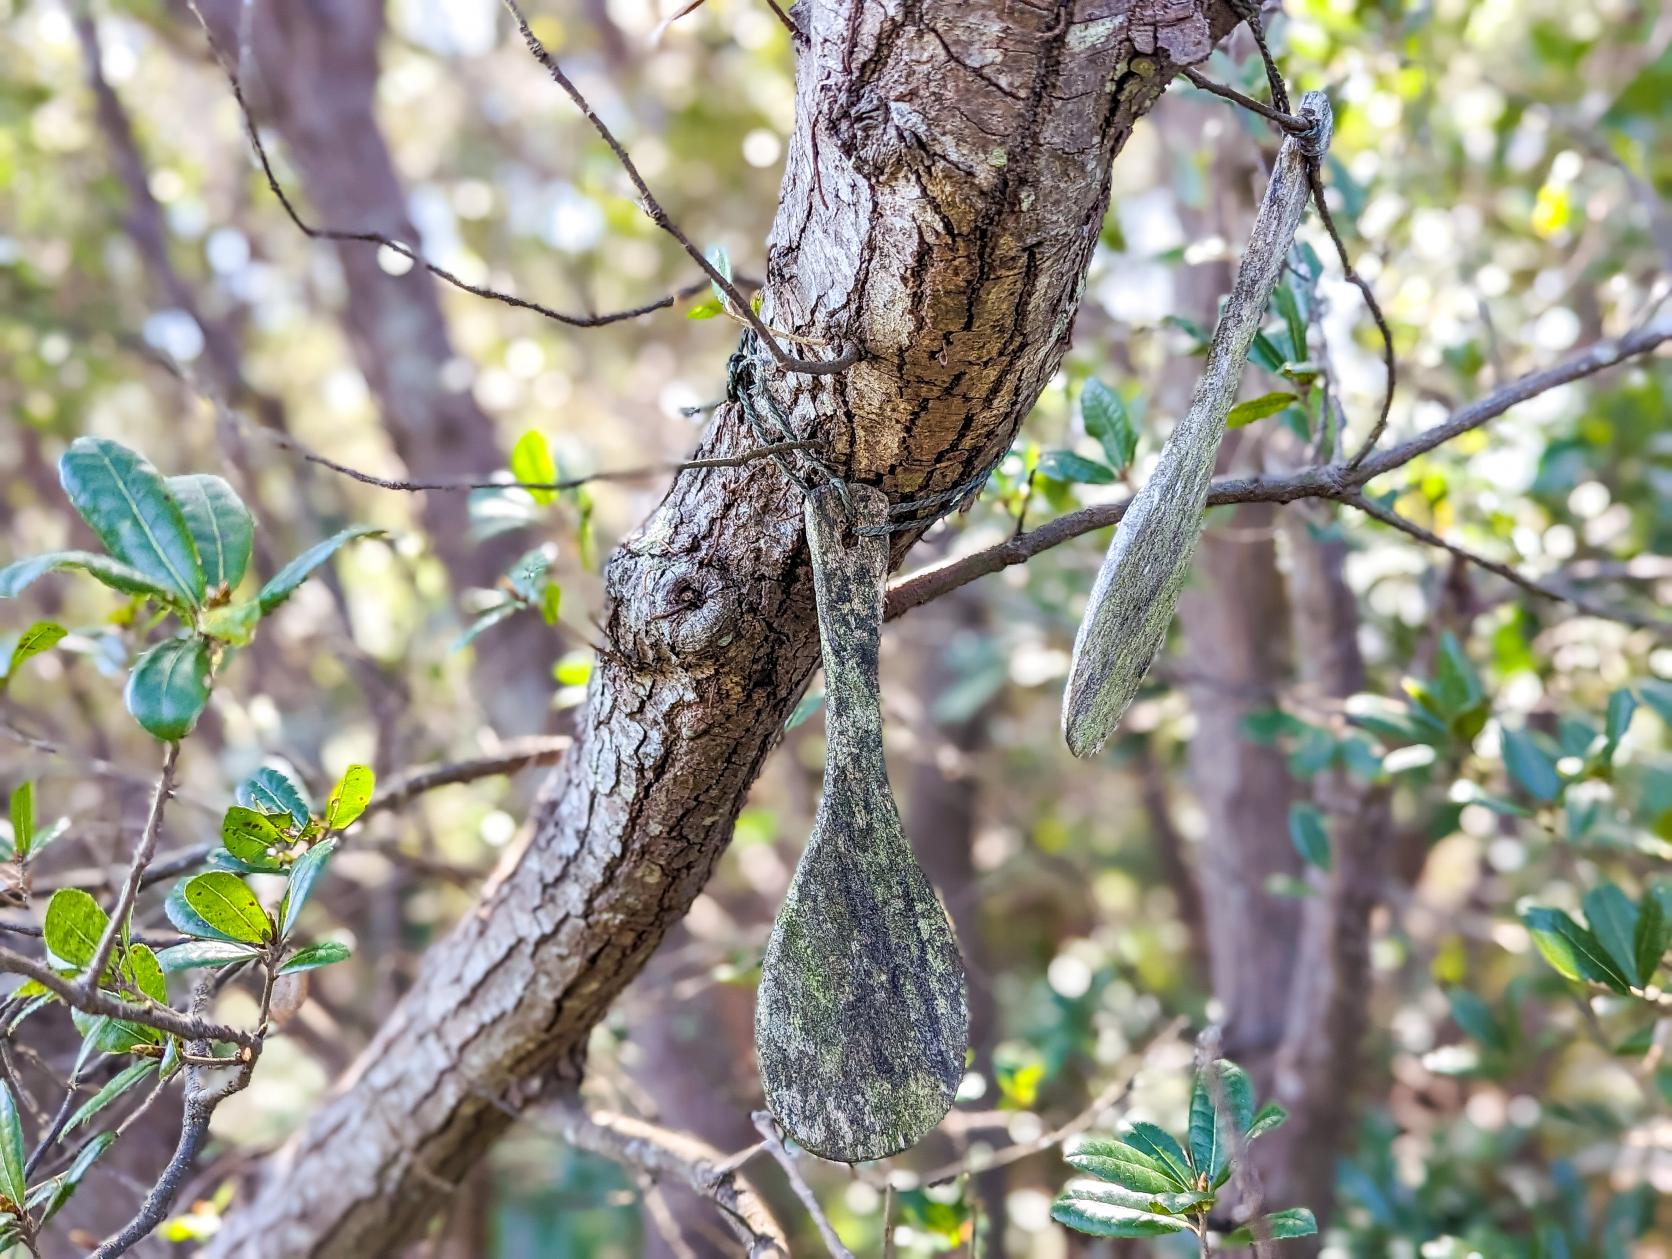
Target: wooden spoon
point(861, 1021)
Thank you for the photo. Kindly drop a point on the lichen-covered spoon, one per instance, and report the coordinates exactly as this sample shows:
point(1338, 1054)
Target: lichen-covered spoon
point(862, 1020)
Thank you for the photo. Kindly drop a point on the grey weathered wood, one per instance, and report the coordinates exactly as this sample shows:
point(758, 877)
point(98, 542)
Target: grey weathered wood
point(1138, 586)
point(861, 1020)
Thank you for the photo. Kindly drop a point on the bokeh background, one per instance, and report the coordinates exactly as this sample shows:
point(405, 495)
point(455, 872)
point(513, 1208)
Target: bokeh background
point(1499, 170)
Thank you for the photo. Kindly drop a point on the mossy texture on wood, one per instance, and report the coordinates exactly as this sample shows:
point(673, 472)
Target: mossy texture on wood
point(861, 1021)
point(1138, 587)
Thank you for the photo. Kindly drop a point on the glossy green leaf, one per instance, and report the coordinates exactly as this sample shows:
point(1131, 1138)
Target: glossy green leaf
point(708, 308)
point(1309, 835)
point(1573, 951)
point(532, 463)
point(485, 622)
point(120, 577)
point(1065, 465)
point(22, 805)
point(117, 1085)
point(1612, 919)
point(1278, 1226)
point(1104, 414)
point(126, 502)
point(188, 921)
point(303, 875)
point(232, 623)
point(1148, 1203)
point(251, 837)
point(283, 583)
point(270, 790)
point(39, 637)
point(1268, 1118)
point(1622, 706)
point(1163, 1147)
point(1650, 939)
point(315, 956)
point(220, 526)
point(527, 577)
point(1245, 413)
point(226, 903)
point(74, 925)
point(1211, 1125)
point(349, 797)
point(199, 953)
point(1121, 1164)
point(1475, 1017)
point(1100, 1219)
point(1530, 766)
point(168, 688)
point(142, 972)
point(14, 1186)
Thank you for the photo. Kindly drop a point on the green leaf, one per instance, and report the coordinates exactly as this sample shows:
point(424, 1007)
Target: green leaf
point(226, 903)
point(118, 1085)
point(144, 973)
point(39, 637)
point(1268, 1118)
point(126, 502)
point(1065, 465)
point(1476, 1019)
point(721, 261)
point(1149, 1203)
point(1210, 1127)
point(1103, 1220)
point(532, 463)
point(197, 953)
point(349, 797)
point(1650, 939)
point(303, 875)
point(315, 956)
point(251, 837)
point(1121, 1164)
point(1278, 1226)
point(64, 1184)
point(1160, 1145)
point(1612, 919)
point(528, 575)
point(188, 921)
point(1105, 416)
point(1573, 951)
point(1529, 765)
point(283, 583)
point(1657, 694)
point(232, 623)
point(14, 1186)
point(492, 617)
point(74, 925)
point(271, 791)
point(1309, 835)
point(169, 687)
point(1622, 706)
point(1246, 413)
point(551, 602)
point(709, 308)
point(220, 526)
point(23, 818)
point(113, 573)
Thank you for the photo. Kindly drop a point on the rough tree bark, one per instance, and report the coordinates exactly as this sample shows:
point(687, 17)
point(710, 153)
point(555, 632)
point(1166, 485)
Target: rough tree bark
point(944, 190)
point(317, 86)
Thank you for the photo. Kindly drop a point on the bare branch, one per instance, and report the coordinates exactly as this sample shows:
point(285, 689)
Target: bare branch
point(662, 1153)
point(741, 306)
point(767, 1126)
point(1332, 481)
point(230, 69)
point(513, 755)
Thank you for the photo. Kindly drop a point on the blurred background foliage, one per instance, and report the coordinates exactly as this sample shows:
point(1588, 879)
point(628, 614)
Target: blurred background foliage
point(1500, 170)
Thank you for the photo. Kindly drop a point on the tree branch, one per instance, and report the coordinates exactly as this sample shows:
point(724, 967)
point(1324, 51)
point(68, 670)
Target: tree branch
point(143, 852)
point(161, 1017)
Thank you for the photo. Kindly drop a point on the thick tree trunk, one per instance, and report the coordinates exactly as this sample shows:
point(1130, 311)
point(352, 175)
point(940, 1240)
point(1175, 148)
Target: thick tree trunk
point(317, 86)
point(945, 187)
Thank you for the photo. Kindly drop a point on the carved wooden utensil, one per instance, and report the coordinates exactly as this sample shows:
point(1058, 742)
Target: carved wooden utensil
point(1138, 586)
point(861, 1021)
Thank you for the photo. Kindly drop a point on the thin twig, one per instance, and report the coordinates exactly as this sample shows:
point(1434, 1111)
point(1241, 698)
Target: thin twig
point(230, 69)
point(513, 755)
point(143, 852)
point(161, 1017)
point(767, 1126)
point(741, 305)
